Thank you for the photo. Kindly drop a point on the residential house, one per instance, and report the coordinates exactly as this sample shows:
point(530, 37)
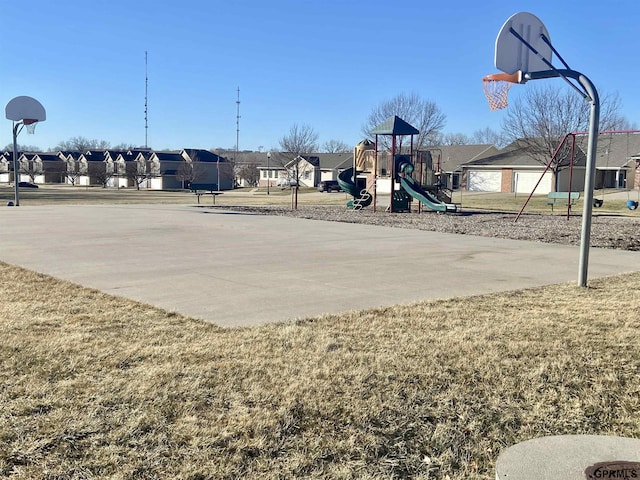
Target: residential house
point(98, 171)
point(126, 166)
point(48, 168)
point(30, 168)
point(514, 170)
point(273, 172)
point(76, 169)
point(331, 164)
point(140, 168)
point(208, 168)
point(616, 166)
point(35, 167)
point(280, 169)
point(153, 170)
point(442, 164)
point(304, 170)
point(6, 167)
point(246, 165)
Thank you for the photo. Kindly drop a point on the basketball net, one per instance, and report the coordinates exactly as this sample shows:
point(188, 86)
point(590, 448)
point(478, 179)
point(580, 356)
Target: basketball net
point(497, 86)
point(30, 125)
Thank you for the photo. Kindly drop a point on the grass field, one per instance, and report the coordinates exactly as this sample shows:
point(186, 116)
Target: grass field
point(56, 195)
point(96, 386)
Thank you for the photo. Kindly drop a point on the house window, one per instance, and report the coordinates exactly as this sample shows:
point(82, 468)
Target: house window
point(307, 175)
point(455, 181)
point(264, 174)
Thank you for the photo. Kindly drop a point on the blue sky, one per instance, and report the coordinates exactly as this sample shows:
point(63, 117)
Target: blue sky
point(325, 63)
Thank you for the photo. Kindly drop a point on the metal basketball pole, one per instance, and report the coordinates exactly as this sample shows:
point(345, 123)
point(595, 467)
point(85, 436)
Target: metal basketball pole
point(16, 175)
point(589, 179)
point(590, 174)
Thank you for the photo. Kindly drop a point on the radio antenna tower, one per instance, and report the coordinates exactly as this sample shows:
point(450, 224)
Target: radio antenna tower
point(146, 92)
point(237, 125)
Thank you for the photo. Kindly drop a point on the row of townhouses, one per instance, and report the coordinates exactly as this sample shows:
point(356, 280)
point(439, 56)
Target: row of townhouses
point(161, 170)
point(470, 167)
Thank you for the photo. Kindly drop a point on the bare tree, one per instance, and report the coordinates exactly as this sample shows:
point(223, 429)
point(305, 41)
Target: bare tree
point(99, 172)
point(22, 148)
point(488, 136)
point(140, 170)
point(32, 168)
point(75, 169)
point(55, 170)
point(452, 139)
point(335, 146)
point(124, 146)
point(190, 172)
point(423, 114)
point(539, 120)
point(226, 170)
point(623, 123)
point(248, 172)
point(297, 145)
point(82, 144)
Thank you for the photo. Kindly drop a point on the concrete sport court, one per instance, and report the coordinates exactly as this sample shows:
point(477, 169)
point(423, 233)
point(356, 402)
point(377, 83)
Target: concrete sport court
point(238, 269)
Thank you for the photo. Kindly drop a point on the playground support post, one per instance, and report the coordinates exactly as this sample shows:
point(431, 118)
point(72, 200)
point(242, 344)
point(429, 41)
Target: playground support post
point(375, 175)
point(393, 171)
point(573, 152)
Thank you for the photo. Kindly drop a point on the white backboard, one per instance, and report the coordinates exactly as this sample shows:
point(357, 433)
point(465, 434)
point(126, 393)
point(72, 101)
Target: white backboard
point(512, 54)
point(21, 108)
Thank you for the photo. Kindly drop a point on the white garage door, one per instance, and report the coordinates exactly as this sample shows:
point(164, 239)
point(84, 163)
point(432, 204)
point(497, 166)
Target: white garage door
point(482, 181)
point(524, 182)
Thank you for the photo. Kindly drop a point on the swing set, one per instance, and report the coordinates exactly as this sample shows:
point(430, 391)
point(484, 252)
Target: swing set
point(597, 203)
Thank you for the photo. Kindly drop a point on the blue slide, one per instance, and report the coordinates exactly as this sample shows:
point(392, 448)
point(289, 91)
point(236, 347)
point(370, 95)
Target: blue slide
point(416, 191)
point(361, 198)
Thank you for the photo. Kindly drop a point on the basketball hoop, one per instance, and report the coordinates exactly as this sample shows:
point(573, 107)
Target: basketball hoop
point(23, 111)
point(496, 88)
point(30, 125)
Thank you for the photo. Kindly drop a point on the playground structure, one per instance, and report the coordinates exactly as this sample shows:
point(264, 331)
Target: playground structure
point(390, 172)
point(352, 181)
point(413, 188)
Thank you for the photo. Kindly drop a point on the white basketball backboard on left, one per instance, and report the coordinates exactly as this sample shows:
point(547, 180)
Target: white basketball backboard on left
point(25, 108)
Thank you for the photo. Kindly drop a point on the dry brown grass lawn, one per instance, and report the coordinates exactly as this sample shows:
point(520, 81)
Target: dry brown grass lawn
point(67, 195)
point(94, 386)
point(509, 202)
point(64, 194)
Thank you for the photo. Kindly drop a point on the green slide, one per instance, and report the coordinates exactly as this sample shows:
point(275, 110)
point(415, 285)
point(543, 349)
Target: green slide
point(420, 194)
point(361, 198)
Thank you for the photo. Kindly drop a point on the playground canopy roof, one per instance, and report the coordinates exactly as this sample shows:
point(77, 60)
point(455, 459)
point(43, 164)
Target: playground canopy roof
point(395, 126)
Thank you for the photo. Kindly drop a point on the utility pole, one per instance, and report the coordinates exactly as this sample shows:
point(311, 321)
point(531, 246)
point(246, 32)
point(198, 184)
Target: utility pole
point(237, 125)
point(146, 92)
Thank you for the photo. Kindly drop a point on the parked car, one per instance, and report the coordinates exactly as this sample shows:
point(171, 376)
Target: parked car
point(329, 186)
point(27, 185)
